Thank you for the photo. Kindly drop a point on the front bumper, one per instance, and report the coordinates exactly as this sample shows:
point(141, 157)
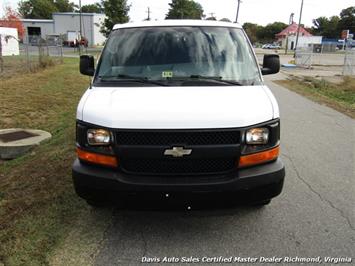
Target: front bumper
point(254, 183)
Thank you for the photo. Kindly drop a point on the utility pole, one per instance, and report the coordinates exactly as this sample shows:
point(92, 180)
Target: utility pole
point(80, 21)
point(181, 14)
point(298, 28)
point(291, 18)
point(80, 18)
point(290, 21)
point(212, 14)
point(148, 11)
point(236, 20)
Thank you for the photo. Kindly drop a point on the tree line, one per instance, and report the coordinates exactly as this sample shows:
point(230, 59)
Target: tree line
point(322, 26)
point(332, 27)
point(117, 11)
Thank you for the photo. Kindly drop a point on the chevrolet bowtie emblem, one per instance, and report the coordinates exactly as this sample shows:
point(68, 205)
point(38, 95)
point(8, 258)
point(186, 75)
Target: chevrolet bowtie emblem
point(177, 152)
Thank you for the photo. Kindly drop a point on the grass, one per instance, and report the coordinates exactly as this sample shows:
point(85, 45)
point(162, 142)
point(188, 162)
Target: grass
point(337, 95)
point(37, 200)
point(14, 65)
point(95, 52)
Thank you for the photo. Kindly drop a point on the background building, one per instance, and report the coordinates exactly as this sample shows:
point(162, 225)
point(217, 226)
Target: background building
point(66, 25)
point(288, 35)
point(35, 28)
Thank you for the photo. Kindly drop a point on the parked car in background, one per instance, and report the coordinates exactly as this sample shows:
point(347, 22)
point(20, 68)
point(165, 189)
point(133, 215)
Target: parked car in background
point(54, 40)
point(271, 46)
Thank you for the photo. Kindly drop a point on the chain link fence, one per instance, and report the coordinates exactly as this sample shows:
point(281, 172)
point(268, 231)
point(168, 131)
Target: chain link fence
point(32, 57)
point(303, 57)
point(349, 60)
point(327, 55)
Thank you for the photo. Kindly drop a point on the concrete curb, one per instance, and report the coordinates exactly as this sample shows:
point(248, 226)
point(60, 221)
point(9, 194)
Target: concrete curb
point(17, 148)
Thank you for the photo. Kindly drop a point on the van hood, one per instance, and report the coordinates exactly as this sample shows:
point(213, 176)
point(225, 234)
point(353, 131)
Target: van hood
point(177, 107)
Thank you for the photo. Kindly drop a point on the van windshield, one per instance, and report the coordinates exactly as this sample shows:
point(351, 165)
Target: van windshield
point(179, 53)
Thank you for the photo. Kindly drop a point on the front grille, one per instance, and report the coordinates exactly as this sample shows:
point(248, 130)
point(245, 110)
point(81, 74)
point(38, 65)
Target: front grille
point(178, 166)
point(169, 138)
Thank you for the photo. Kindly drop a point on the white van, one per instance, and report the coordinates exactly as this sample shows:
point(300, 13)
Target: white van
point(178, 106)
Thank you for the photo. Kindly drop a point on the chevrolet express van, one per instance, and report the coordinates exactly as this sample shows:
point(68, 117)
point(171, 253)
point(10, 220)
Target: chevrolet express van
point(178, 106)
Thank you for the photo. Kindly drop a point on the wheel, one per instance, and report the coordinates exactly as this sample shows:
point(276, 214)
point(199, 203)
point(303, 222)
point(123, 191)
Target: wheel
point(260, 203)
point(96, 203)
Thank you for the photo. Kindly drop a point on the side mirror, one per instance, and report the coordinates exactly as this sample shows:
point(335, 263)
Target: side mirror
point(87, 65)
point(271, 64)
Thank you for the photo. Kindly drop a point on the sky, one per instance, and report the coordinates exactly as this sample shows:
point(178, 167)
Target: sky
point(256, 11)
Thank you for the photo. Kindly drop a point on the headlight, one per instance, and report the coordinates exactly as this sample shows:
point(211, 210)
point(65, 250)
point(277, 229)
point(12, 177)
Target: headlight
point(257, 136)
point(98, 137)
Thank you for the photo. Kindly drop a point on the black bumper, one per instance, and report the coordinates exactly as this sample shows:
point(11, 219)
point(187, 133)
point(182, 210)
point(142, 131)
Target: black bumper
point(255, 183)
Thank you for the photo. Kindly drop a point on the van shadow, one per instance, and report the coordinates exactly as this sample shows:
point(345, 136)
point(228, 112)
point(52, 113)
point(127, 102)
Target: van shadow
point(166, 227)
point(184, 203)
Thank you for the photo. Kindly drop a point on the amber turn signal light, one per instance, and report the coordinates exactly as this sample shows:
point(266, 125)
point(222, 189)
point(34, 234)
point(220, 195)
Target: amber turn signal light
point(95, 158)
point(260, 157)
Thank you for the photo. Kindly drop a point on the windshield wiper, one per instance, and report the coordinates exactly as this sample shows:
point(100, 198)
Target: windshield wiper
point(213, 79)
point(124, 77)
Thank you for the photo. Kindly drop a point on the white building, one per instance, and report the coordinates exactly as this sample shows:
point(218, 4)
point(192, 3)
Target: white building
point(9, 41)
point(303, 41)
point(67, 24)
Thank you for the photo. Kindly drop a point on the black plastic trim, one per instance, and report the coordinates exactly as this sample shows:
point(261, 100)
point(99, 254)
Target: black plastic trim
point(88, 178)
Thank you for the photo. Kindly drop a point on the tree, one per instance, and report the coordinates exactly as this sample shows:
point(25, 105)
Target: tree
point(41, 9)
point(225, 20)
point(258, 33)
point(64, 5)
point(267, 33)
point(251, 30)
point(11, 19)
point(116, 12)
point(92, 8)
point(326, 27)
point(184, 9)
point(347, 19)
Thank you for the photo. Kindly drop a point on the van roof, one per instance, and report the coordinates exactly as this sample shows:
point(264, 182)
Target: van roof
point(176, 22)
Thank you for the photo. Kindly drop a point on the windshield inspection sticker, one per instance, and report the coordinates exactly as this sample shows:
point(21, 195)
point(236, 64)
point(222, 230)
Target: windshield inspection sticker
point(167, 74)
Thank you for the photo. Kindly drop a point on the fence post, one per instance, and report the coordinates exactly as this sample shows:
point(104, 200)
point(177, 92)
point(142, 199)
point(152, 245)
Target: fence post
point(1, 58)
point(349, 59)
point(28, 58)
point(61, 53)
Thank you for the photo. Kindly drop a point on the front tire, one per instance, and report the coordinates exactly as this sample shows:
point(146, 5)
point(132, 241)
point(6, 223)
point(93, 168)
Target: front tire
point(261, 203)
point(96, 203)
